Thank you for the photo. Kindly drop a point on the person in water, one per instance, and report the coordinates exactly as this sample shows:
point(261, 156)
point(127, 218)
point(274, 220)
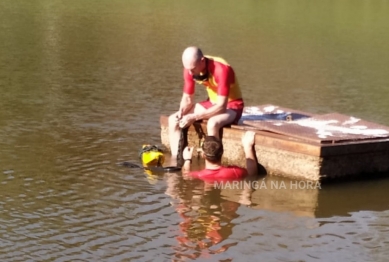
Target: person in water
point(212, 152)
point(224, 105)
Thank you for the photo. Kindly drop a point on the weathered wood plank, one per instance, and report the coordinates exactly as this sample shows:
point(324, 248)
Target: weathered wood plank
point(296, 156)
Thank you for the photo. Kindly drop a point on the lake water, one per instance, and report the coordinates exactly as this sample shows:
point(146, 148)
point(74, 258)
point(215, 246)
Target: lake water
point(83, 84)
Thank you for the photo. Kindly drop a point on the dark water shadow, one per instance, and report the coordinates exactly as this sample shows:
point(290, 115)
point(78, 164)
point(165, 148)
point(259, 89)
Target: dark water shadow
point(365, 192)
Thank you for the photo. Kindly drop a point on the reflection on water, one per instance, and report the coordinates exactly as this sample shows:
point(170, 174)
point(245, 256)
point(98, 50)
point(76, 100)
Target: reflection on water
point(83, 84)
point(216, 222)
point(206, 219)
point(101, 211)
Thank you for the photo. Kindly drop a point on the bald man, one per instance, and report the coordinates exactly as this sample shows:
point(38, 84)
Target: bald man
point(224, 104)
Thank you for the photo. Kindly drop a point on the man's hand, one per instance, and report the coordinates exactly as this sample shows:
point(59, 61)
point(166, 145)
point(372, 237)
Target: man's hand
point(187, 120)
point(248, 139)
point(179, 114)
point(187, 153)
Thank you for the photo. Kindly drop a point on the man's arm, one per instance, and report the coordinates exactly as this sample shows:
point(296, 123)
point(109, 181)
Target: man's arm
point(187, 100)
point(248, 142)
point(185, 105)
point(219, 108)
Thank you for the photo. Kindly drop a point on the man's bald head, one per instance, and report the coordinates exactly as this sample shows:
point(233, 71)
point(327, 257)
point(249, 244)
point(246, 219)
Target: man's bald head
point(191, 57)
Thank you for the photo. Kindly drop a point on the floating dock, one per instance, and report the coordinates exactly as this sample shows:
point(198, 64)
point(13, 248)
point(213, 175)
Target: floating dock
point(300, 145)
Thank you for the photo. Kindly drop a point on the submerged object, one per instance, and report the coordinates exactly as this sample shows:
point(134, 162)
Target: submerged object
point(152, 158)
point(151, 155)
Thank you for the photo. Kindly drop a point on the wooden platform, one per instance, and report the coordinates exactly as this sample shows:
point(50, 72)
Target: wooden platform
point(301, 145)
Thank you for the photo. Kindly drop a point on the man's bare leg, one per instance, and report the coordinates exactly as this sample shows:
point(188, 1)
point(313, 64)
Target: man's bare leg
point(174, 131)
point(174, 134)
point(216, 122)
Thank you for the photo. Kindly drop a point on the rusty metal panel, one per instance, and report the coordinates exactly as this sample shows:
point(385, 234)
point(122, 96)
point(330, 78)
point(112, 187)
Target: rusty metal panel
point(271, 112)
point(328, 128)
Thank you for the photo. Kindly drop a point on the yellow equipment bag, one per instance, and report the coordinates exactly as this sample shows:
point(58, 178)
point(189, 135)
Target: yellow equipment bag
point(151, 155)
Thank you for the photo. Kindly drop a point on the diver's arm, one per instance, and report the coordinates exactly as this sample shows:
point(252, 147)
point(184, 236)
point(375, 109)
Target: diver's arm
point(248, 142)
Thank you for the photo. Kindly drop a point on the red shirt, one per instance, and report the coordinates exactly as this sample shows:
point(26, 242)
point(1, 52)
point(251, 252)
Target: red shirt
point(221, 80)
point(221, 174)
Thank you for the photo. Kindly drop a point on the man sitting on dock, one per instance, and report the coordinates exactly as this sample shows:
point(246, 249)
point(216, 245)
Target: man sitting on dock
point(212, 152)
point(224, 105)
